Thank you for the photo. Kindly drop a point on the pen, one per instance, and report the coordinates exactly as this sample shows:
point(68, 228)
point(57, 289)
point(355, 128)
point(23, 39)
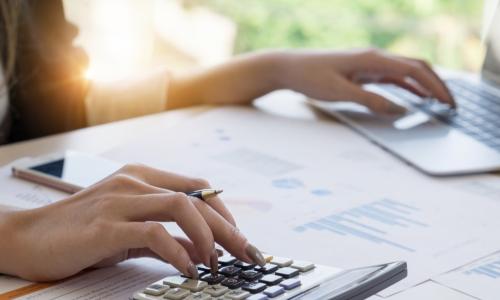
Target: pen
point(204, 194)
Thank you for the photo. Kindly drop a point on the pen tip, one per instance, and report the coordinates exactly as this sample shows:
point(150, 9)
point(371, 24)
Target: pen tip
point(218, 191)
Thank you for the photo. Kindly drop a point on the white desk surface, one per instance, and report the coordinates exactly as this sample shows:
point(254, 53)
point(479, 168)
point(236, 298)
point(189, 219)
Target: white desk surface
point(100, 138)
point(104, 137)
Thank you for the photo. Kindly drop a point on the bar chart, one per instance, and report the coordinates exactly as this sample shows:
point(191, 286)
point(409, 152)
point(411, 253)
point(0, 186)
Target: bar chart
point(479, 278)
point(371, 222)
point(490, 269)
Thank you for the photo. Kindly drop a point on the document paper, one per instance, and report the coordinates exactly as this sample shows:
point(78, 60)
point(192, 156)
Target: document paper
point(480, 278)
point(317, 191)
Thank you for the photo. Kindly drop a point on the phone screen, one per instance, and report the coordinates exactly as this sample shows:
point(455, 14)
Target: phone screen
point(79, 169)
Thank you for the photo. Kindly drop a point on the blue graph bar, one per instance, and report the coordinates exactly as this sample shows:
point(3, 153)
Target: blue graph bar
point(361, 222)
point(491, 270)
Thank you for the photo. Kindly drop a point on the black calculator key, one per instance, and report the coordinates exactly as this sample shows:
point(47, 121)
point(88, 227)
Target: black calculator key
point(271, 279)
point(230, 271)
point(233, 283)
point(250, 275)
point(287, 272)
point(267, 268)
point(204, 269)
point(254, 287)
point(227, 260)
point(200, 273)
point(213, 279)
point(243, 265)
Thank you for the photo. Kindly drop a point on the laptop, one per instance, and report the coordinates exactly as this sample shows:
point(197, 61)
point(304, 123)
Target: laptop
point(431, 137)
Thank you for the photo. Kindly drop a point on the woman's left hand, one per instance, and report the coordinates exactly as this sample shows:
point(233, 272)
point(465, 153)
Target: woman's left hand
point(339, 76)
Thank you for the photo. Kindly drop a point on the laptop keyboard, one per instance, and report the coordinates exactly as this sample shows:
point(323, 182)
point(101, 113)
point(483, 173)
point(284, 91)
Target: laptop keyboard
point(477, 114)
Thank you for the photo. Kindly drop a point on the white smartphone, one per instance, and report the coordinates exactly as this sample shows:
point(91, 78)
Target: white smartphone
point(68, 172)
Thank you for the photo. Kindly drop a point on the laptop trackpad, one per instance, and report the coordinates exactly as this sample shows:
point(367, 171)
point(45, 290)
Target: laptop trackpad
point(411, 120)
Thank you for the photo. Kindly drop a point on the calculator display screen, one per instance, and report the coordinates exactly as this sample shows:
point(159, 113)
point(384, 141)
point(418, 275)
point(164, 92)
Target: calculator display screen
point(348, 280)
point(353, 277)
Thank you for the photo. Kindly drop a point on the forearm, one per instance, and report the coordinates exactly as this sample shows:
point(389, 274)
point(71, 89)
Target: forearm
point(238, 81)
point(7, 234)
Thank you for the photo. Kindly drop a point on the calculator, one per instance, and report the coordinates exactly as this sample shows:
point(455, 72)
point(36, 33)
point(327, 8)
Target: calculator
point(279, 279)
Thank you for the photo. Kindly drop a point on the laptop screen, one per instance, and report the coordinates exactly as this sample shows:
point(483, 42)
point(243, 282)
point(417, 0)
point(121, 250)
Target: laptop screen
point(491, 65)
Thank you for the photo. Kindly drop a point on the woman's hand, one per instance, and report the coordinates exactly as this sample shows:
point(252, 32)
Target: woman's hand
point(332, 76)
point(323, 75)
point(116, 219)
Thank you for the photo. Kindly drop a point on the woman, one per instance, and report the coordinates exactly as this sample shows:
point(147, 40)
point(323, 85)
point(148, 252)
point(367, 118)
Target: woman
point(104, 224)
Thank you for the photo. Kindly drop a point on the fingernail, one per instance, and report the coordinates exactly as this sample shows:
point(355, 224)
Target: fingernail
point(255, 255)
point(193, 272)
point(214, 262)
point(219, 252)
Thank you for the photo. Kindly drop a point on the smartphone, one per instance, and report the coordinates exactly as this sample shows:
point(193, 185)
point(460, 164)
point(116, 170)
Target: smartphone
point(69, 172)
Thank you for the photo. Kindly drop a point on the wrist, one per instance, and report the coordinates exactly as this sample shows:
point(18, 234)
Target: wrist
point(275, 68)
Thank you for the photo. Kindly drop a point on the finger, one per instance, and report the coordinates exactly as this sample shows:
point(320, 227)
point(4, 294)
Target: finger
point(216, 203)
point(426, 65)
point(419, 73)
point(154, 237)
point(164, 179)
point(227, 235)
point(146, 252)
point(190, 248)
point(176, 182)
point(374, 102)
point(404, 83)
point(171, 207)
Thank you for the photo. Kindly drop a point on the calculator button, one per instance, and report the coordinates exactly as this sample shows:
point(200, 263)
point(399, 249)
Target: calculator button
point(290, 284)
point(194, 285)
point(198, 296)
point(174, 281)
point(176, 294)
point(271, 279)
point(254, 287)
point(302, 266)
point(156, 289)
point(281, 261)
point(258, 297)
point(142, 296)
point(213, 279)
point(227, 260)
point(250, 275)
point(237, 294)
point(267, 268)
point(233, 283)
point(230, 271)
point(274, 291)
point(287, 272)
point(216, 290)
point(243, 265)
point(267, 257)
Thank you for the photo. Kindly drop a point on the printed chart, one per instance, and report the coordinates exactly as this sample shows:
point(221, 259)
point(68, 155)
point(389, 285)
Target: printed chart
point(368, 221)
point(479, 279)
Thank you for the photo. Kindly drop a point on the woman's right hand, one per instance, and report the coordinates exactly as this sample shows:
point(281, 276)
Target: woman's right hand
point(117, 219)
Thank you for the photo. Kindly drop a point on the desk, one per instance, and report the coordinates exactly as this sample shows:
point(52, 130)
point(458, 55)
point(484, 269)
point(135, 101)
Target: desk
point(101, 138)
point(95, 139)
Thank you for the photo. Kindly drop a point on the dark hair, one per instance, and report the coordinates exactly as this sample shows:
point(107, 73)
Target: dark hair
point(9, 15)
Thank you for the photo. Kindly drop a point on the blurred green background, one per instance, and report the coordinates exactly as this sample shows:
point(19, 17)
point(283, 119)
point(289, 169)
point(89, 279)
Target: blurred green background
point(445, 32)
